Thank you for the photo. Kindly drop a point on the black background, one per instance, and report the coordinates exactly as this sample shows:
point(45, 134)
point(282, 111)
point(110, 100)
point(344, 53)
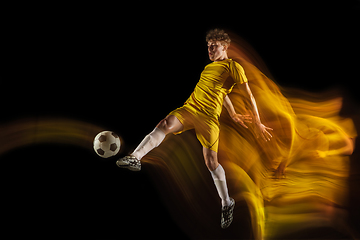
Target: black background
point(124, 67)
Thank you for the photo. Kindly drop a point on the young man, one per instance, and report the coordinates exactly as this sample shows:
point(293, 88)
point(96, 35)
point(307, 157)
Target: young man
point(201, 112)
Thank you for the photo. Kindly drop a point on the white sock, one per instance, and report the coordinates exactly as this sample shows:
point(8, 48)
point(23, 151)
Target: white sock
point(151, 141)
point(220, 182)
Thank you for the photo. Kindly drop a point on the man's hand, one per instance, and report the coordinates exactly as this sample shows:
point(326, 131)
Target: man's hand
point(262, 131)
point(241, 119)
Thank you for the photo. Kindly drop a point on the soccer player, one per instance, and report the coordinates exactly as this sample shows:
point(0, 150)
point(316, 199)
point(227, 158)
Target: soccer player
point(201, 112)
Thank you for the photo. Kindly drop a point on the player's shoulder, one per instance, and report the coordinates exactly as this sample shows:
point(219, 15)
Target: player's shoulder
point(234, 64)
point(226, 62)
point(233, 61)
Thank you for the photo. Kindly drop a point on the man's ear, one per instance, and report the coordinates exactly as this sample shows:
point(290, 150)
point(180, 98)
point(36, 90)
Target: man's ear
point(226, 47)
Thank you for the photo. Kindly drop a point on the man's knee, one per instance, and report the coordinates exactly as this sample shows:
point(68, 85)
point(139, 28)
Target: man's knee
point(164, 126)
point(170, 124)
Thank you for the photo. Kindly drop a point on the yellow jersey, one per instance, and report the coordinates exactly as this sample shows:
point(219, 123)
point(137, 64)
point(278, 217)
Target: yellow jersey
point(216, 81)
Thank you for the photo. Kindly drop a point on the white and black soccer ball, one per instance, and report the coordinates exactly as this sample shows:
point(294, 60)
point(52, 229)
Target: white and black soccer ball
point(107, 144)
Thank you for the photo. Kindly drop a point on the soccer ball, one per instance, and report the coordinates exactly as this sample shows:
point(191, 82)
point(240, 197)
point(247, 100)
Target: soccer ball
point(107, 144)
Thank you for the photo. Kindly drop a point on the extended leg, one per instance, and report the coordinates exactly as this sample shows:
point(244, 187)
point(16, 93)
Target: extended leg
point(168, 125)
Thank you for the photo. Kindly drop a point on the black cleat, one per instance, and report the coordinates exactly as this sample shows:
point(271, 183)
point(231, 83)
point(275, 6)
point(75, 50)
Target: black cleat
point(227, 214)
point(129, 162)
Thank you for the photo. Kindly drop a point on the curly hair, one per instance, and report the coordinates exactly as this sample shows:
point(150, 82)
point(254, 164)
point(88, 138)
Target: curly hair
point(218, 35)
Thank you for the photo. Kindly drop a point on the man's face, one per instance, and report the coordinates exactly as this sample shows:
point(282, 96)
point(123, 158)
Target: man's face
point(216, 50)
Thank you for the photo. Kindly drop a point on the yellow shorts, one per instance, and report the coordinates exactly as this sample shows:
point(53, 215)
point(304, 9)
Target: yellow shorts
point(206, 127)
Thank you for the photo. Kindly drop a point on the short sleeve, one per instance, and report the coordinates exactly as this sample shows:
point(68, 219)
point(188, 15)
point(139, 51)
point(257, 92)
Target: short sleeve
point(237, 73)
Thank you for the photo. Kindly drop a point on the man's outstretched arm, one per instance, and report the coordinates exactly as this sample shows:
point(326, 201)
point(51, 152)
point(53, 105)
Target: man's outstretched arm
point(263, 130)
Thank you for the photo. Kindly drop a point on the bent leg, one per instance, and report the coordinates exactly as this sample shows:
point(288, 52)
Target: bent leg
point(168, 125)
point(218, 175)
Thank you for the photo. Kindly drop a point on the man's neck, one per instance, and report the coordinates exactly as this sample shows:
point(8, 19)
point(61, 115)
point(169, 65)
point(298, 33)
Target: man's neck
point(222, 58)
